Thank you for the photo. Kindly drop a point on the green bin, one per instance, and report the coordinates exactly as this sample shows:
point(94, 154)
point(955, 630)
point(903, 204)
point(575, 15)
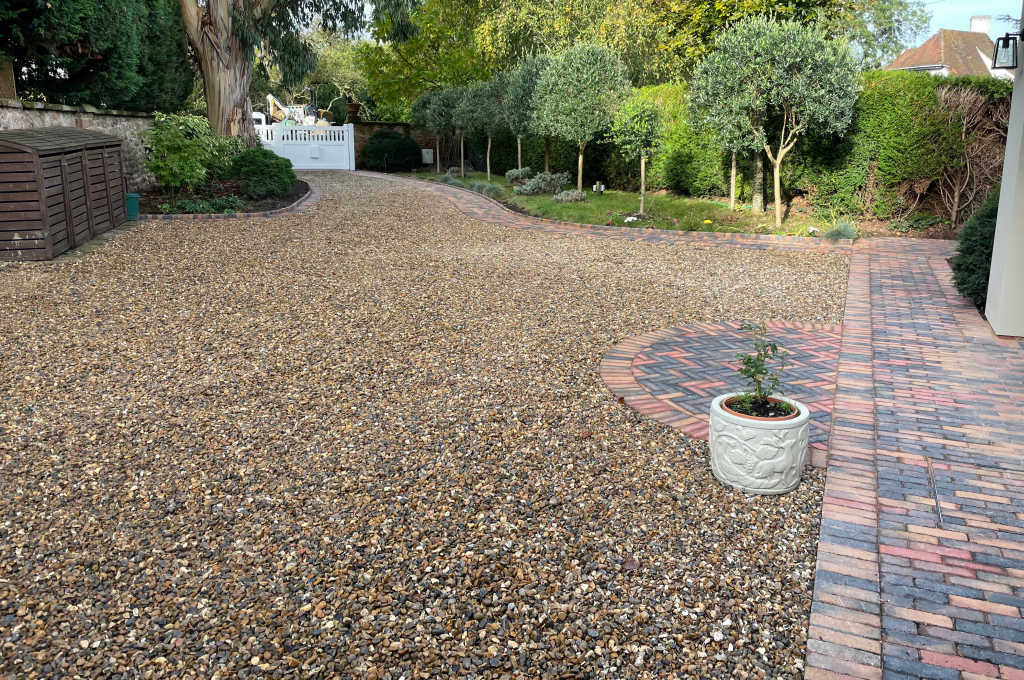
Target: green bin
point(131, 206)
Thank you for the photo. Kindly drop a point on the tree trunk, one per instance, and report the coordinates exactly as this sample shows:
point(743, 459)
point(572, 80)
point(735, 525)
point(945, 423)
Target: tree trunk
point(488, 158)
point(757, 200)
point(579, 170)
point(226, 67)
point(547, 154)
point(777, 172)
point(437, 140)
point(462, 156)
point(732, 183)
point(643, 183)
point(519, 151)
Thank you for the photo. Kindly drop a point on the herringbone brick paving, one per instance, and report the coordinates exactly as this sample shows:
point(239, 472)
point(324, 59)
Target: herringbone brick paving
point(920, 568)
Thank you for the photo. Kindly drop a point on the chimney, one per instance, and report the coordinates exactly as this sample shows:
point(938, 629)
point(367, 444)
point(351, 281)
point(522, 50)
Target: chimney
point(981, 24)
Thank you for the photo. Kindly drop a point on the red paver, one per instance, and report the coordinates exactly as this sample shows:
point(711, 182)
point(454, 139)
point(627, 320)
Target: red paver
point(920, 569)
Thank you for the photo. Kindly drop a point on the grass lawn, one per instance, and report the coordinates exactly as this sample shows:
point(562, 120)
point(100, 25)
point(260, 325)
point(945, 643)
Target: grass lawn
point(664, 211)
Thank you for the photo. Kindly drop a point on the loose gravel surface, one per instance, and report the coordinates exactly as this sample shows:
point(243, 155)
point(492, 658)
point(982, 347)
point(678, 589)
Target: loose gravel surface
point(370, 441)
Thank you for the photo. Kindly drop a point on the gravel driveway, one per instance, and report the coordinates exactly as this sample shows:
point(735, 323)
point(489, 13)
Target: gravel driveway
point(370, 440)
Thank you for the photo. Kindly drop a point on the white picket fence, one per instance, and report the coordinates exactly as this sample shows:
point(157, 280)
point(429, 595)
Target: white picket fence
point(312, 147)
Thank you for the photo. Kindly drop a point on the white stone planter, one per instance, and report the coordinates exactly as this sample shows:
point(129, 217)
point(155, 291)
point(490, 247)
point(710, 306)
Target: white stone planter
point(758, 456)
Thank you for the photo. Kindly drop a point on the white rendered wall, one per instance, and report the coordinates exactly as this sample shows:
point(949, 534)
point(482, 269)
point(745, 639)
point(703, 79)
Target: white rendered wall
point(1005, 305)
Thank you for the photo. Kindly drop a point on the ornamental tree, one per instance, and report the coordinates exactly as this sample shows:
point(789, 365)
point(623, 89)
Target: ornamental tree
point(433, 111)
point(577, 94)
point(481, 105)
point(777, 80)
point(636, 130)
point(517, 105)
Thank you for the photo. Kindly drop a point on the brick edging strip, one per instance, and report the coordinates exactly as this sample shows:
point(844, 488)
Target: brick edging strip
point(300, 204)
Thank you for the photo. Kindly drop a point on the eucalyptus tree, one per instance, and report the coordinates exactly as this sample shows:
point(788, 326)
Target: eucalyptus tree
point(225, 36)
point(517, 104)
point(774, 81)
point(577, 95)
point(636, 130)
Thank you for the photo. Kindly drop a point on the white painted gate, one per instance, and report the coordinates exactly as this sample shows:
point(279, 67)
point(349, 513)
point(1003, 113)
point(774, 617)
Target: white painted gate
point(312, 147)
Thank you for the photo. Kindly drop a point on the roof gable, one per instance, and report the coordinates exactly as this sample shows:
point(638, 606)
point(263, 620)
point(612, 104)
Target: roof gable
point(959, 51)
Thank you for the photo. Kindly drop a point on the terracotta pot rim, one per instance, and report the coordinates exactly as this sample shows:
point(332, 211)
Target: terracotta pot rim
point(776, 419)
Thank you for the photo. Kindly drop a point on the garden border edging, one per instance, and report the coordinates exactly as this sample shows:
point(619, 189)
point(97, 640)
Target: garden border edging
point(303, 202)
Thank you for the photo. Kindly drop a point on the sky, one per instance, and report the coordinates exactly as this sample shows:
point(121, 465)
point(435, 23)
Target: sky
point(957, 15)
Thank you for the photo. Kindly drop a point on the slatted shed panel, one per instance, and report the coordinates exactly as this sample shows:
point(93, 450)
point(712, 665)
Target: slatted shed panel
point(59, 187)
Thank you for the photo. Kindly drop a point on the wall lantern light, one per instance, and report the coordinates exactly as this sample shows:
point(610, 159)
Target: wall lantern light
point(1005, 53)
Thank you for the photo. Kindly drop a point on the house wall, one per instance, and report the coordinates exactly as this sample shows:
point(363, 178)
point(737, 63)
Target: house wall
point(127, 125)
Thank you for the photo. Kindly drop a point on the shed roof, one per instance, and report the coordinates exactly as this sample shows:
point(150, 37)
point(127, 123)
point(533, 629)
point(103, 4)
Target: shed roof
point(51, 139)
point(959, 51)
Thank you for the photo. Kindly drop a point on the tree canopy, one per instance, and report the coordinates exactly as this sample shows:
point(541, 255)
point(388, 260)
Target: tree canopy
point(776, 80)
point(81, 52)
point(577, 94)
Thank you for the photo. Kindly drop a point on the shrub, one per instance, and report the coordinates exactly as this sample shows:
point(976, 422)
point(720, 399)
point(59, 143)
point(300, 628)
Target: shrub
point(843, 228)
point(515, 176)
point(183, 151)
point(448, 178)
point(485, 188)
point(223, 204)
point(222, 153)
point(569, 196)
point(263, 174)
point(177, 151)
point(973, 258)
point(391, 151)
point(543, 183)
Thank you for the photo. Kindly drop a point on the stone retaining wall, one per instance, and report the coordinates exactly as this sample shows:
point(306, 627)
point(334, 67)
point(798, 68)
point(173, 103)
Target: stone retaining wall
point(127, 125)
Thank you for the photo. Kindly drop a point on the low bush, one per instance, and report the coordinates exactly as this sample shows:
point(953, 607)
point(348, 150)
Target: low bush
point(843, 228)
point(448, 178)
point(263, 174)
point(517, 176)
point(485, 188)
point(222, 153)
point(391, 151)
point(973, 259)
point(569, 196)
point(223, 204)
point(543, 183)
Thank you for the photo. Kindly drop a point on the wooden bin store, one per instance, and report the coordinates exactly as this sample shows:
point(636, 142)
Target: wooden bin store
point(59, 187)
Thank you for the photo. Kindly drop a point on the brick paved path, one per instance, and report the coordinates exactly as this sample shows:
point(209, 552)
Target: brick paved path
point(920, 568)
point(673, 374)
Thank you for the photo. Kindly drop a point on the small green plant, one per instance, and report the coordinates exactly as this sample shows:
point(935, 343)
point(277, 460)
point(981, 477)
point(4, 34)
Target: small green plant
point(843, 228)
point(569, 196)
point(263, 174)
point(763, 369)
point(515, 176)
point(543, 183)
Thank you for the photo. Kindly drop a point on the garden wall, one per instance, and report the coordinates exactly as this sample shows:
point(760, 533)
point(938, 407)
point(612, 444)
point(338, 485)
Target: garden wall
point(363, 132)
point(127, 125)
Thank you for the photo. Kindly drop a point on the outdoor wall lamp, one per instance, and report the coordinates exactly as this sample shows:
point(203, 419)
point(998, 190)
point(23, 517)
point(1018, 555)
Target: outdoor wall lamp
point(1005, 53)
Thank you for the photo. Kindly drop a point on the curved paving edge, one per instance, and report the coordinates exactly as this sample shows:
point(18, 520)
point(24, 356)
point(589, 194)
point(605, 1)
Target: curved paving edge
point(487, 209)
point(672, 374)
point(920, 566)
point(302, 203)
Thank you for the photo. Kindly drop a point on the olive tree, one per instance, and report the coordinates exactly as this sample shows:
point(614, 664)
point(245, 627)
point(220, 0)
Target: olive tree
point(464, 120)
point(518, 86)
point(577, 94)
point(772, 81)
point(433, 111)
point(636, 130)
point(480, 112)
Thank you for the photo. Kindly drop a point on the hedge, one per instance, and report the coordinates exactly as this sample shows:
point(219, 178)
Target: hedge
point(973, 260)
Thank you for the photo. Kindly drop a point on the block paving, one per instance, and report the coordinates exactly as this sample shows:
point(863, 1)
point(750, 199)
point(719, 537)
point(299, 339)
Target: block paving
point(920, 570)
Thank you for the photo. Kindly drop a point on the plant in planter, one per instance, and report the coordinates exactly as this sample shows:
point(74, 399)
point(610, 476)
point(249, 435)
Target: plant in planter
point(759, 440)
